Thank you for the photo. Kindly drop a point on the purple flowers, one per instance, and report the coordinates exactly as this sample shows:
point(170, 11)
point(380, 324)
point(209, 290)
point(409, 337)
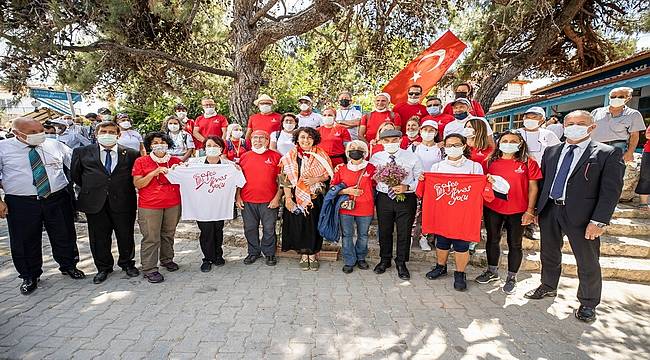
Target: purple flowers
point(391, 174)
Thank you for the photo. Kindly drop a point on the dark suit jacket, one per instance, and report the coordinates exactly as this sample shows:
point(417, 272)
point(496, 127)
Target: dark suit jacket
point(594, 186)
point(97, 186)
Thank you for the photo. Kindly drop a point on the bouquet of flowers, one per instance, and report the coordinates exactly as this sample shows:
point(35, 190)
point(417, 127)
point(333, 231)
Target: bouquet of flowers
point(391, 174)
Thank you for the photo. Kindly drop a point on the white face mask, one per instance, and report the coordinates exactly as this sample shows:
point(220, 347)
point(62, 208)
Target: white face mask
point(288, 126)
point(208, 111)
point(328, 120)
point(50, 136)
point(173, 127)
point(468, 132)
point(265, 108)
point(35, 139)
point(237, 134)
point(576, 132)
point(213, 151)
point(159, 148)
point(428, 135)
point(181, 115)
point(616, 102)
point(259, 150)
point(412, 133)
point(531, 124)
point(125, 124)
point(391, 148)
point(304, 107)
point(107, 139)
point(413, 101)
point(509, 148)
point(454, 151)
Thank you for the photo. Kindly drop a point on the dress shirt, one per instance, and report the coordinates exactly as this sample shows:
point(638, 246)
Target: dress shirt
point(16, 170)
point(577, 154)
point(114, 157)
point(406, 159)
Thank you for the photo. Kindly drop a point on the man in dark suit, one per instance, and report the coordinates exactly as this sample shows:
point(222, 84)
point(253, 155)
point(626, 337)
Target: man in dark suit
point(581, 187)
point(107, 196)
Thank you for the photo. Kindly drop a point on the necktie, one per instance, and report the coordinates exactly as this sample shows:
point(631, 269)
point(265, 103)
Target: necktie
point(41, 182)
point(392, 159)
point(391, 193)
point(557, 189)
point(108, 162)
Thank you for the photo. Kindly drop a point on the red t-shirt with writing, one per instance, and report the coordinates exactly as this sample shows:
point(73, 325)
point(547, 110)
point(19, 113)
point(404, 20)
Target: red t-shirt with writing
point(364, 204)
point(211, 126)
point(332, 139)
point(480, 156)
point(406, 142)
point(261, 173)
point(373, 120)
point(517, 174)
point(159, 193)
point(476, 109)
point(406, 110)
point(442, 119)
point(235, 149)
point(267, 122)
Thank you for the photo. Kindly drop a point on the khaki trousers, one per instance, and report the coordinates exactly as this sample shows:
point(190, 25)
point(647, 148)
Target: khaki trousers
point(158, 227)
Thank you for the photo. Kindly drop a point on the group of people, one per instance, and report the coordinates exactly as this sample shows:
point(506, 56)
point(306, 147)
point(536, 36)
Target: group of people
point(314, 168)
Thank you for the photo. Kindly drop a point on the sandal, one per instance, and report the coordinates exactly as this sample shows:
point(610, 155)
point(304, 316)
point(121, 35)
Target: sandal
point(314, 264)
point(304, 263)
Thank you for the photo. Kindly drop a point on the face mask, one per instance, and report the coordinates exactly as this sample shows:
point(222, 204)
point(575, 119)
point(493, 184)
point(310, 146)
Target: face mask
point(413, 101)
point(237, 134)
point(411, 133)
point(125, 124)
point(461, 116)
point(428, 135)
point(107, 139)
point(328, 120)
point(531, 124)
point(468, 132)
point(259, 150)
point(107, 117)
point(50, 136)
point(173, 127)
point(213, 151)
point(35, 139)
point(159, 148)
point(288, 126)
point(265, 108)
point(454, 151)
point(433, 110)
point(461, 94)
point(356, 154)
point(345, 102)
point(509, 148)
point(616, 102)
point(303, 107)
point(208, 111)
point(576, 132)
point(181, 114)
point(391, 148)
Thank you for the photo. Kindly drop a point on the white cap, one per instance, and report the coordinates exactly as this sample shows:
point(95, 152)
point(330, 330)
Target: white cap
point(306, 98)
point(500, 185)
point(60, 121)
point(429, 123)
point(536, 110)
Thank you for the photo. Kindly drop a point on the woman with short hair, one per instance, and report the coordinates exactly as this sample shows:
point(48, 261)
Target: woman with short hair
point(235, 144)
point(282, 141)
point(183, 143)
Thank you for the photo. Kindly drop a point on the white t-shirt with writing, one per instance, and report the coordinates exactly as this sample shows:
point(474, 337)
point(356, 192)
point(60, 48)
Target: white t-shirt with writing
point(207, 190)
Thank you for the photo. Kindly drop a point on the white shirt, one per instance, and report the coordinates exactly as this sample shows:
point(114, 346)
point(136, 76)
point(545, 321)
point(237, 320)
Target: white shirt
point(73, 139)
point(313, 120)
point(16, 170)
point(182, 142)
point(462, 166)
point(538, 141)
point(557, 129)
point(114, 157)
point(283, 142)
point(130, 138)
point(457, 126)
point(349, 115)
point(207, 190)
point(428, 155)
point(577, 154)
point(406, 159)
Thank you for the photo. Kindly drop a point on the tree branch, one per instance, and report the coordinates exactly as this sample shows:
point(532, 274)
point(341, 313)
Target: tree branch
point(262, 12)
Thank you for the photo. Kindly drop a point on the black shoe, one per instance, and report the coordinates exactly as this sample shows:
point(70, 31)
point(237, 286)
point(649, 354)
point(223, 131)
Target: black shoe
point(28, 286)
point(363, 265)
point(460, 281)
point(381, 267)
point(403, 272)
point(585, 313)
point(74, 273)
point(348, 269)
point(529, 232)
point(219, 262)
point(540, 293)
point(132, 271)
point(206, 266)
point(250, 259)
point(271, 260)
point(436, 272)
point(101, 276)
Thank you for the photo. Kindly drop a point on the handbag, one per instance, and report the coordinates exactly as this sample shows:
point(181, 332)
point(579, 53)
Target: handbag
point(350, 203)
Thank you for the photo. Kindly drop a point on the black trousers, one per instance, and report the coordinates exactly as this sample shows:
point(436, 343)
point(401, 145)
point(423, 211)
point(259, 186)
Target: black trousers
point(25, 221)
point(392, 213)
point(100, 233)
point(211, 239)
point(494, 222)
point(553, 225)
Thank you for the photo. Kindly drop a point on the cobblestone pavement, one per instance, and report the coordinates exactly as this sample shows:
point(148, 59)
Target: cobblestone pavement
point(260, 312)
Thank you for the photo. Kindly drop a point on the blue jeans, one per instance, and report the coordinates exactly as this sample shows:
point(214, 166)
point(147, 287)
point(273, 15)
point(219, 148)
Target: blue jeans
point(355, 251)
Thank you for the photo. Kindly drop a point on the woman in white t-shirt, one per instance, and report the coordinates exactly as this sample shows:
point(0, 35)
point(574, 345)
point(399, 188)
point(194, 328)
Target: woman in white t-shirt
point(183, 143)
point(282, 141)
point(129, 137)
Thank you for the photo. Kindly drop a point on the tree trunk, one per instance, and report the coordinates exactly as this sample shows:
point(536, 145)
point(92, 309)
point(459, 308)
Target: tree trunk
point(491, 86)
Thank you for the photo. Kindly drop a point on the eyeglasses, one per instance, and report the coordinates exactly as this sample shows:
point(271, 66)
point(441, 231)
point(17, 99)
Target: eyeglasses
point(455, 145)
point(415, 94)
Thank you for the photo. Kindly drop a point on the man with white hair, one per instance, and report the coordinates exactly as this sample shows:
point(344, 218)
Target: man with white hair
point(307, 117)
point(617, 124)
point(371, 122)
point(536, 138)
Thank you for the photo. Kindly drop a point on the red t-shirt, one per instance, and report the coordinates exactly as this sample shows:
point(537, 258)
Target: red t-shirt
point(406, 110)
point(442, 120)
point(517, 174)
point(160, 193)
point(375, 149)
point(480, 155)
point(476, 109)
point(211, 126)
point(406, 142)
point(261, 173)
point(332, 139)
point(373, 120)
point(235, 149)
point(364, 204)
point(267, 122)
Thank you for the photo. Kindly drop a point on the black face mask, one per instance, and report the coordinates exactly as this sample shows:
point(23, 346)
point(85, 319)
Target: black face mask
point(344, 102)
point(355, 154)
point(462, 94)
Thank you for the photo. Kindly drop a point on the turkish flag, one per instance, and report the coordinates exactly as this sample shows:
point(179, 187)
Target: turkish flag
point(426, 69)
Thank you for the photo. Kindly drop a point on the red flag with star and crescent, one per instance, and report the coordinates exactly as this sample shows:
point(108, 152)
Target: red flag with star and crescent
point(426, 69)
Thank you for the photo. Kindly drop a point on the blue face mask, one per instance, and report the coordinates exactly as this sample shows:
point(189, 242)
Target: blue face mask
point(433, 110)
point(461, 116)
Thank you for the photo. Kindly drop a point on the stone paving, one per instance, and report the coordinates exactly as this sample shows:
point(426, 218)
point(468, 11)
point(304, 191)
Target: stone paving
point(260, 312)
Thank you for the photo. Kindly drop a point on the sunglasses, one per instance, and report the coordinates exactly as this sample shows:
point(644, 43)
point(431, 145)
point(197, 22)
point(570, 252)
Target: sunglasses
point(415, 94)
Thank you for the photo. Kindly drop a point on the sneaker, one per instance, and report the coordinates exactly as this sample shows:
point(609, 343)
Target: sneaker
point(510, 285)
point(438, 271)
point(206, 266)
point(304, 264)
point(348, 269)
point(314, 265)
point(154, 277)
point(486, 277)
point(460, 281)
point(363, 265)
point(170, 266)
point(424, 244)
point(271, 260)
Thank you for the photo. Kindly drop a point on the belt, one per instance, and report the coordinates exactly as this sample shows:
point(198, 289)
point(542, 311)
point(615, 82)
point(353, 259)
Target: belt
point(558, 202)
point(36, 197)
point(615, 142)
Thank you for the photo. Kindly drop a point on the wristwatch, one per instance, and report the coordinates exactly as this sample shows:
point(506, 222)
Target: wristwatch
point(598, 223)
